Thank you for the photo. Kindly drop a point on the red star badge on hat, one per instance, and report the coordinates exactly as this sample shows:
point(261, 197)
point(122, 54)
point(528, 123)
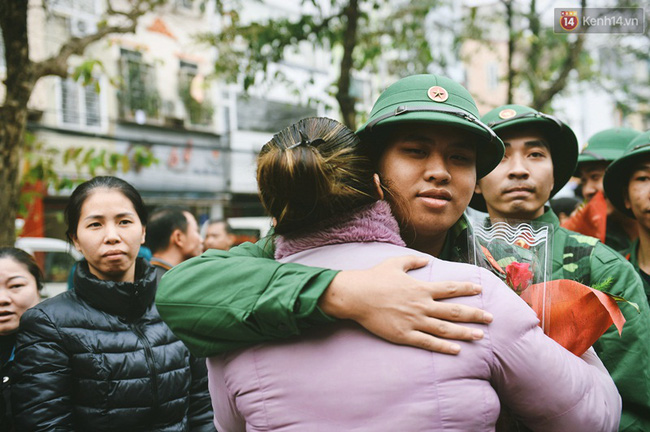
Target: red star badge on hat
point(438, 94)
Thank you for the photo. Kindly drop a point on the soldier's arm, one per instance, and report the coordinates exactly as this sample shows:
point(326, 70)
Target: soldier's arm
point(626, 357)
point(222, 301)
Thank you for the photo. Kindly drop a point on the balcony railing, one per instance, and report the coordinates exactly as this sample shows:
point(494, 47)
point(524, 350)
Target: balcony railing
point(138, 96)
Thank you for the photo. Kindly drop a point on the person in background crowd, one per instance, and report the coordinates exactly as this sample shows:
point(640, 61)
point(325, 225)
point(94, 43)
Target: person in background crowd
point(627, 183)
point(541, 154)
point(21, 281)
point(602, 148)
point(315, 180)
point(100, 358)
point(218, 235)
point(563, 207)
point(173, 236)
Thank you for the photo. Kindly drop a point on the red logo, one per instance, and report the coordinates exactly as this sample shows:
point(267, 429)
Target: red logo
point(569, 20)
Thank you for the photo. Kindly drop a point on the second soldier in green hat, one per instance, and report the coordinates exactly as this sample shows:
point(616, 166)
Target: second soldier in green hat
point(541, 154)
point(601, 149)
point(627, 183)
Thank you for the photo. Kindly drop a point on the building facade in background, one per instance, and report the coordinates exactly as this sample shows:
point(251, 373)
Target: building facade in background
point(155, 89)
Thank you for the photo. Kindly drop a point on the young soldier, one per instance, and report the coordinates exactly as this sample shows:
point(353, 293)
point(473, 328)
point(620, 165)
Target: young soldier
point(260, 299)
point(541, 154)
point(603, 148)
point(627, 183)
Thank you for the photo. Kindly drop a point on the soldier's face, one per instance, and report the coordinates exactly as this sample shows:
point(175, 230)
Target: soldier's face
point(591, 180)
point(591, 177)
point(432, 172)
point(521, 184)
point(637, 198)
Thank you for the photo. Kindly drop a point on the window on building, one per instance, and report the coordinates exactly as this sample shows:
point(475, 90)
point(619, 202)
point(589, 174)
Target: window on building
point(3, 63)
point(357, 88)
point(74, 7)
point(80, 105)
point(194, 95)
point(257, 114)
point(138, 96)
point(492, 76)
point(185, 4)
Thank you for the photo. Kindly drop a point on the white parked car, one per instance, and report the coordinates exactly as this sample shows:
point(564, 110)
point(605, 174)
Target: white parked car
point(55, 257)
point(250, 228)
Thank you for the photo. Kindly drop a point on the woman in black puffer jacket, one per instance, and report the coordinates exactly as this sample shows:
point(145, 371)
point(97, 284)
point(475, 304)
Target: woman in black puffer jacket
point(21, 281)
point(100, 358)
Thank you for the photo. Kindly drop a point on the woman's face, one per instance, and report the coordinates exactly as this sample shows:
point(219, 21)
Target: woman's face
point(432, 170)
point(18, 292)
point(109, 235)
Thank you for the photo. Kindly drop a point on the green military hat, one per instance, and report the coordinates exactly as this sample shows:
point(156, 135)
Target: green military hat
point(607, 145)
point(434, 99)
point(563, 142)
point(618, 172)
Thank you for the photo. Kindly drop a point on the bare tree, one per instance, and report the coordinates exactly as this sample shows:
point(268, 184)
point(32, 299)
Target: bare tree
point(360, 31)
point(22, 74)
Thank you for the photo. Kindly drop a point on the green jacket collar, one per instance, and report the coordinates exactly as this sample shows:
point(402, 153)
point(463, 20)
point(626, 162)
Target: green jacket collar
point(632, 256)
point(455, 247)
point(549, 217)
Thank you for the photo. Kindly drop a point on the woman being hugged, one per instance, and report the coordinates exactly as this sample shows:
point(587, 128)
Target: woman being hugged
point(21, 281)
point(316, 181)
point(100, 358)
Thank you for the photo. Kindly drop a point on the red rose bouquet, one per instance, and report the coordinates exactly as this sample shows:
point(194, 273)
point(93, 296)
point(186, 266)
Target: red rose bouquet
point(579, 314)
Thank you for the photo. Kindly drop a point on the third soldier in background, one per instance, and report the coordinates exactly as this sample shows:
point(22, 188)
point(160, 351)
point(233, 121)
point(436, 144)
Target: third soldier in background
point(627, 182)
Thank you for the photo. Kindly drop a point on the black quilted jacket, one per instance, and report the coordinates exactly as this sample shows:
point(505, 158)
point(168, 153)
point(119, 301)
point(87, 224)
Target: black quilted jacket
point(100, 358)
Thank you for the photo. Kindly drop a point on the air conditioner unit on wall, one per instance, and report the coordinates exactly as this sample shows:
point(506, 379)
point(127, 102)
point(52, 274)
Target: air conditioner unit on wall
point(80, 27)
point(168, 108)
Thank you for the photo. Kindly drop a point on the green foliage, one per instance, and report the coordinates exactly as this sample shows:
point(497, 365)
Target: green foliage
point(200, 113)
point(247, 49)
point(40, 160)
point(542, 59)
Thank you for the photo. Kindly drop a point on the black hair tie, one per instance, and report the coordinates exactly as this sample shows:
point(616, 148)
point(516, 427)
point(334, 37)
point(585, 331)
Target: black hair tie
point(304, 140)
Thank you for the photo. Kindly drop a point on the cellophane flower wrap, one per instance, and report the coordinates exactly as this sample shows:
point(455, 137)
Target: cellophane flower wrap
point(590, 218)
point(572, 314)
point(520, 254)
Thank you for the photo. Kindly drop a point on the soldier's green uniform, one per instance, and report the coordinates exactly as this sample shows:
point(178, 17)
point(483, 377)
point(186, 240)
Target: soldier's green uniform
point(615, 183)
point(275, 301)
point(617, 238)
point(627, 358)
point(606, 146)
point(633, 258)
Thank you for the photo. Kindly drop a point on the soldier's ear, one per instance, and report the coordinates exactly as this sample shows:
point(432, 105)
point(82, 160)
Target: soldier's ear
point(626, 200)
point(477, 188)
point(378, 189)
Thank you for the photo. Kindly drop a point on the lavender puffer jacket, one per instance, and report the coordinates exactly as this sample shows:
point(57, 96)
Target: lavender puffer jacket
point(342, 378)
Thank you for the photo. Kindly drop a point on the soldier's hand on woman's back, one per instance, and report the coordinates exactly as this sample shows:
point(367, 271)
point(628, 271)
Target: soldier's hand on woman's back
point(401, 309)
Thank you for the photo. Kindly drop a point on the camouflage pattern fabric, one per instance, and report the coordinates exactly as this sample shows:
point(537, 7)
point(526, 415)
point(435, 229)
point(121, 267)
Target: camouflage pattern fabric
point(576, 260)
